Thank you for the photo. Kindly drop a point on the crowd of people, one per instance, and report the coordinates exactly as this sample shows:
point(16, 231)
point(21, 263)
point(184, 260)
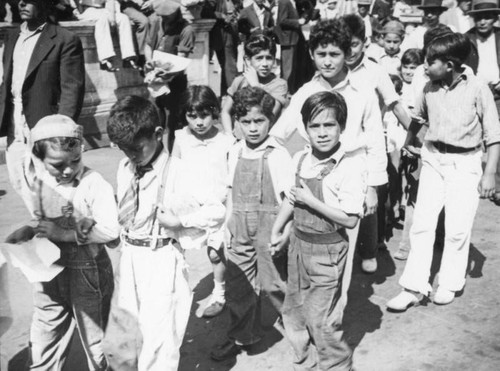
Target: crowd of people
point(393, 119)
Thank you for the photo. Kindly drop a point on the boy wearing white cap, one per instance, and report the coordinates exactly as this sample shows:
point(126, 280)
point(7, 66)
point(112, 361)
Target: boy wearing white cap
point(75, 210)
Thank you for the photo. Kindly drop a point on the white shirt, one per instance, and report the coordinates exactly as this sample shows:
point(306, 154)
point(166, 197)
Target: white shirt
point(279, 161)
point(91, 197)
point(372, 74)
point(415, 40)
point(487, 69)
point(260, 14)
point(363, 132)
point(21, 57)
point(344, 187)
point(391, 63)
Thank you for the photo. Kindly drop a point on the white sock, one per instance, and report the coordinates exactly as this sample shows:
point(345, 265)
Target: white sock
point(219, 291)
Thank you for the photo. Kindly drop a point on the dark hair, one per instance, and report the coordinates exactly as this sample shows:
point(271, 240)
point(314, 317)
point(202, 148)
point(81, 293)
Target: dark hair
point(454, 47)
point(65, 144)
point(331, 31)
point(200, 99)
point(325, 100)
point(132, 118)
point(412, 56)
point(356, 25)
point(247, 98)
point(257, 43)
point(397, 82)
point(437, 31)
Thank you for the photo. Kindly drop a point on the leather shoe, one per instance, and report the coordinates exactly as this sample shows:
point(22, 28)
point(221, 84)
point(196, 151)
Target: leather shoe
point(130, 63)
point(106, 65)
point(225, 351)
point(443, 296)
point(214, 309)
point(369, 265)
point(402, 302)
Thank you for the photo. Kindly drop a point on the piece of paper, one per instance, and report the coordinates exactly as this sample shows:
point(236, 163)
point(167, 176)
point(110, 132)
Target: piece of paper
point(178, 63)
point(35, 258)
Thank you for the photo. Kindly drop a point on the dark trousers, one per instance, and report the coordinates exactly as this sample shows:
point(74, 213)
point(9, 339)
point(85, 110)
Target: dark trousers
point(312, 313)
point(227, 57)
point(288, 62)
point(140, 25)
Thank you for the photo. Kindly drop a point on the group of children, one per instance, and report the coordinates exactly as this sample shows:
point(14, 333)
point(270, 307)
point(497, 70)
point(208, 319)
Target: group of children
point(275, 228)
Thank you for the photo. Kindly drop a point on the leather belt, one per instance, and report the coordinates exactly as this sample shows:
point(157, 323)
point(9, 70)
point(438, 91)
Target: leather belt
point(146, 242)
point(448, 148)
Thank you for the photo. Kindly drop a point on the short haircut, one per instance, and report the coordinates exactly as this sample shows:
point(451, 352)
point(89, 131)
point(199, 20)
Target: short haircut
point(454, 47)
point(356, 25)
point(325, 100)
point(200, 99)
point(437, 31)
point(247, 98)
point(331, 31)
point(65, 144)
point(130, 119)
point(397, 82)
point(412, 56)
point(257, 43)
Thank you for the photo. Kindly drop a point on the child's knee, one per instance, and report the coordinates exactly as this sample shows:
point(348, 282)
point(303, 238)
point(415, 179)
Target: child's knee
point(215, 256)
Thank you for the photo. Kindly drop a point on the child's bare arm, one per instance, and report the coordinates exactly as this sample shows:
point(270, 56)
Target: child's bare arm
point(54, 233)
point(225, 115)
point(304, 196)
point(281, 227)
point(401, 114)
point(486, 186)
point(22, 234)
point(229, 211)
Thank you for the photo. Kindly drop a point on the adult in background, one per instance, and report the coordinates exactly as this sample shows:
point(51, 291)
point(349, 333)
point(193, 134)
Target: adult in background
point(485, 38)
point(458, 17)
point(43, 75)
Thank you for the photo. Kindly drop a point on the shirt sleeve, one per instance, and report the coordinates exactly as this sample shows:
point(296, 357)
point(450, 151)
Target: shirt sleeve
point(154, 26)
point(375, 143)
point(282, 172)
point(385, 89)
point(186, 40)
point(279, 91)
point(488, 115)
point(235, 86)
point(290, 120)
point(420, 108)
point(209, 215)
point(103, 211)
point(351, 190)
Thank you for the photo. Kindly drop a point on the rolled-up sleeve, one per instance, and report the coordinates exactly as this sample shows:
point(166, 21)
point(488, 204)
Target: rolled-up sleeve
point(488, 115)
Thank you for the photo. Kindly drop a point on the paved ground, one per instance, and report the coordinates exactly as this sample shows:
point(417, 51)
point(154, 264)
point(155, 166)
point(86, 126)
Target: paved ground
point(461, 336)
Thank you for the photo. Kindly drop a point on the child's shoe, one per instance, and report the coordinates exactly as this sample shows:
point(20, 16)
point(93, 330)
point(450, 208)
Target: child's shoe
point(402, 253)
point(369, 265)
point(402, 302)
point(225, 351)
point(214, 307)
point(443, 296)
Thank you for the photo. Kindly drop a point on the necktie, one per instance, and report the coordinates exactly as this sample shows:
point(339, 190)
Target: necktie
point(129, 204)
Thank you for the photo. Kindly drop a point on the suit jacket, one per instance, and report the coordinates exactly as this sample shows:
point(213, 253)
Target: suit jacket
point(248, 19)
point(287, 27)
point(54, 81)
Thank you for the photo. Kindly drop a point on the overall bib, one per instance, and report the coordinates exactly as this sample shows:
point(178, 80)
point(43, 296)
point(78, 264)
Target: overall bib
point(312, 313)
point(251, 270)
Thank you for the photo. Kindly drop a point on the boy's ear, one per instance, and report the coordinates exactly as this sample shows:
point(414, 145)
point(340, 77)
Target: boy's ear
point(450, 65)
point(159, 133)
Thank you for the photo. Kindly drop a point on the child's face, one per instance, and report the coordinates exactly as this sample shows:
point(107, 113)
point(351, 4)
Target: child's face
point(356, 51)
point(436, 69)
point(142, 150)
point(329, 60)
point(63, 165)
point(363, 10)
point(407, 72)
point(199, 123)
point(392, 42)
point(263, 63)
point(255, 127)
point(324, 131)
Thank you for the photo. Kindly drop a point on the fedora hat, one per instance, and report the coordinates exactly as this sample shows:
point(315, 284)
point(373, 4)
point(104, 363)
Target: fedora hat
point(481, 6)
point(364, 2)
point(432, 4)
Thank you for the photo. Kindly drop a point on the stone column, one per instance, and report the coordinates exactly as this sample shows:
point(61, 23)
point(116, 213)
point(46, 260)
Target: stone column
point(197, 72)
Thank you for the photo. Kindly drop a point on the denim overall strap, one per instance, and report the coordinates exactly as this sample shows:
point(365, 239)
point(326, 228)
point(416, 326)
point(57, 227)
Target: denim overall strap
point(309, 225)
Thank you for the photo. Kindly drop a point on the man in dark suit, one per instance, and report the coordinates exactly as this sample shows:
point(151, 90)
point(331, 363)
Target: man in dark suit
point(44, 74)
point(288, 31)
point(255, 17)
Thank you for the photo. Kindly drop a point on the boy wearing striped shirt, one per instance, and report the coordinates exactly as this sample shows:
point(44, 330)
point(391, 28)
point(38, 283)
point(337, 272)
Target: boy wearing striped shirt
point(462, 116)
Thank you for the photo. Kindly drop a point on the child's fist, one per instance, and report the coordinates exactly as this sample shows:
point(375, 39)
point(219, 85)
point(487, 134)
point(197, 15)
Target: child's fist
point(20, 235)
point(83, 228)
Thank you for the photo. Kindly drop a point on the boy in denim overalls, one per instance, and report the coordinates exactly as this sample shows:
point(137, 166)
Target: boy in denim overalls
point(76, 210)
point(260, 173)
point(327, 198)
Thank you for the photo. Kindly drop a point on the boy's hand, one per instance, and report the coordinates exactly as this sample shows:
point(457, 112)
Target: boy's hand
point(371, 201)
point(251, 76)
point(167, 218)
point(411, 151)
point(51, 231)
point(486, 186)
point(227, 238)
point(83, 228)
point(302, 194)
point(20, 235)
point(278, 244)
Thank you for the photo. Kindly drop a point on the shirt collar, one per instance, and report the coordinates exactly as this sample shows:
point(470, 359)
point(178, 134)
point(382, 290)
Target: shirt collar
point(25, 31)
point(258, 9)
point(335, 157)
point(269, 142)
point(347, 82)
point(464, 76)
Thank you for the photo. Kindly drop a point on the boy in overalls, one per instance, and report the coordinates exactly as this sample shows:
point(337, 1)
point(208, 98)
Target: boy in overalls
point(76, 211)
point(327, 198)
point(260, 172)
